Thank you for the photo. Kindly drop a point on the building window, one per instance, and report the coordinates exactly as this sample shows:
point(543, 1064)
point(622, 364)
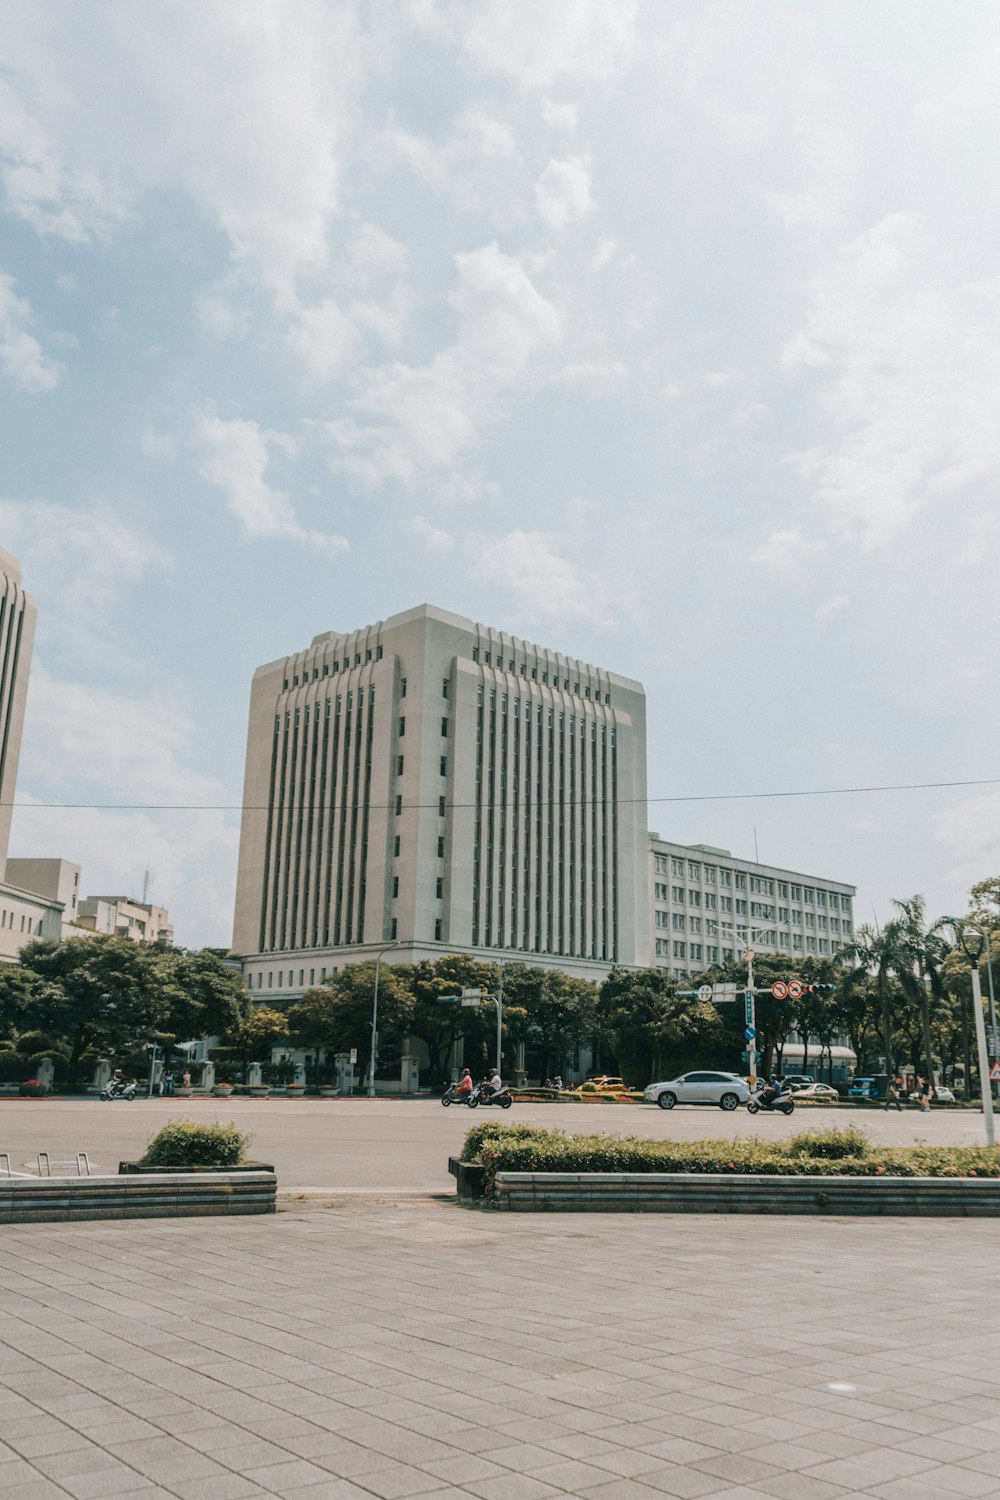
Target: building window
point(660, 891)
point(395, 847)
point(475, 653)
point(678, 920)
point(726, 877)
point(660, 864)
point(438, 930)
point(677, 868)
point(677, 892)
point(441, 807)
point(694, 898)
point(711, 900)
point(444, 728)
point(439, 888)
point(741, 881)
point(402, 725)
point(661, 919)
point(441, 847)
point(679, 950)
point(694, 871)
point(399, 765)
point(445, 687)
point(741, 908)
point(662, 948)
point(402, 687)
point(444, 765)
point(695, 925)
point(392, 928)
point(395, 886)
point(710, 873)
point(696, 952)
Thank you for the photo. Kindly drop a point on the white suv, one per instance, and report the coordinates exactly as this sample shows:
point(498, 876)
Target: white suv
point(727, 1090)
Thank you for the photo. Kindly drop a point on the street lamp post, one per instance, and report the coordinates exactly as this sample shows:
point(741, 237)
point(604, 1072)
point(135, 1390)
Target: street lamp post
point(499, 1006)
point(371, 1069)
point(972, 942)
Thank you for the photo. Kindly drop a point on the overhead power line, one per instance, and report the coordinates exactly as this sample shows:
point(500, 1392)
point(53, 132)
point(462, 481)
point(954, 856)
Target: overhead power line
point(825, 791)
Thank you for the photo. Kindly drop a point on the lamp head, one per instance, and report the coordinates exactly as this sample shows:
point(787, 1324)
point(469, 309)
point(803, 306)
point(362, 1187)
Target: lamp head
point(973, 941)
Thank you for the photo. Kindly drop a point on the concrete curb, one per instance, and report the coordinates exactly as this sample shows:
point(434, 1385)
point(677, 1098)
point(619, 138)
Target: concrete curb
point(681, 1192)
point(166, 1195)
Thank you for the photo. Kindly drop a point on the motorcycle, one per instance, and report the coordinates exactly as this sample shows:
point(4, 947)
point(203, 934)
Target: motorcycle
point(500, 1097)
point(118, 1091)
point(772, 1102)
point(452, 1095)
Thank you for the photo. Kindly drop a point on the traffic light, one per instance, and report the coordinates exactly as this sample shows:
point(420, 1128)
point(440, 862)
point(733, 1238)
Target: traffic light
point(819, 989)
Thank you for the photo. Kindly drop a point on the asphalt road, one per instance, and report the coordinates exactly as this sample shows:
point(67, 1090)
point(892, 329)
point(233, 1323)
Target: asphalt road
point(398, 1145)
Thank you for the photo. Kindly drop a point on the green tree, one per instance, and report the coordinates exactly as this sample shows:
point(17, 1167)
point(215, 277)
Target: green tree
point(646, 1024)
point(256, 1034)
point(97, 992)
point(440, 1026)
point(206, 995)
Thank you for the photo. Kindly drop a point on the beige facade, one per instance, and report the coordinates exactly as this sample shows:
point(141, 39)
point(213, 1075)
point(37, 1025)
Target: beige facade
point(120, 916)
point(447, 787)
point(702, 900)
point(17, 634)
point(54, 879)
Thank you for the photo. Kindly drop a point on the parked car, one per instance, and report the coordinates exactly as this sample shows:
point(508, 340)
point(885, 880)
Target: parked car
point(724, 1089)
point(607, 1083)
point(941, 1095)
point(815, 1091)
point(797, 1080)
point(863, 1088)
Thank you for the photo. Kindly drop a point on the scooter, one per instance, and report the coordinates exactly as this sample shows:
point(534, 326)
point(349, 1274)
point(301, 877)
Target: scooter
point(114, 1090)
point(452, 1095)
point(501, 1097)
point(771, 1102)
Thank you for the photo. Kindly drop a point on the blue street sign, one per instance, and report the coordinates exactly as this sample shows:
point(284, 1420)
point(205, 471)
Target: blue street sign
point(750, 1033)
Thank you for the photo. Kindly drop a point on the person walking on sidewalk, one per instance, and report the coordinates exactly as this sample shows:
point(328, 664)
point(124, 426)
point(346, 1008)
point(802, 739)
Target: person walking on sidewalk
point(892, 1097)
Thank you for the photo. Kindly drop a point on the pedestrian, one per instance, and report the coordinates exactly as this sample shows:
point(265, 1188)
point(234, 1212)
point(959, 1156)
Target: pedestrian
point(168, 1084)
point(558, 1083)
point(186, 1079)
point(924, 1089)
point(892, 1097)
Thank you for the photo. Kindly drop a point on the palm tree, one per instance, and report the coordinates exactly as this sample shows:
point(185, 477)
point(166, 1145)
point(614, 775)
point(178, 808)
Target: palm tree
point(882, 953)
point(923, 949)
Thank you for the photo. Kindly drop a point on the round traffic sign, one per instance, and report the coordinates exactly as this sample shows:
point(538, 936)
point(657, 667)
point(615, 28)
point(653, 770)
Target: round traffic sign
point(779, 989)
point(750, 1033)
point(705, 992)
point(795, 989)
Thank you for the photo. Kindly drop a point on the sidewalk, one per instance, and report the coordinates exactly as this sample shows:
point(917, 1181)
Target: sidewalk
point(411, 1348)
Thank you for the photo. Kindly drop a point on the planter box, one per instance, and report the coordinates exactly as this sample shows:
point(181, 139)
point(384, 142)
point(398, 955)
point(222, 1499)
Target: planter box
point(259, 1091)
point(182, 1092)
point(683, 1192)
point(330, 1092)
point(156, 1195)
point(221, 1093)
point(128, 1168)
point(470, 1179)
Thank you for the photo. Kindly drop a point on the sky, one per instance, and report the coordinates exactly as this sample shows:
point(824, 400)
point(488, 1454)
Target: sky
point(664, 334)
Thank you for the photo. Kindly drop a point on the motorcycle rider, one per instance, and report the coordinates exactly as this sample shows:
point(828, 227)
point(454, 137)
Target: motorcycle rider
point(464, 1085)
point(492, 1085)
point(116, 1083)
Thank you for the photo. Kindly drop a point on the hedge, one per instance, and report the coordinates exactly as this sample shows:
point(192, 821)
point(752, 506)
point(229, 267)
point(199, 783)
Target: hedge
point(831, 1153)
point(188, 1143)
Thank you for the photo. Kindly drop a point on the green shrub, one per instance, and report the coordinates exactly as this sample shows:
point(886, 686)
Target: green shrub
point(188, 1143)
point(39, 1041)
point(831, 1143)
point(13, 1067)
point(527, 1148)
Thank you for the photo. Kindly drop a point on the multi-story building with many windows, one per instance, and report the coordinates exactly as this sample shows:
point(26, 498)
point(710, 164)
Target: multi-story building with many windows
point(444, 787)
point(702, 901)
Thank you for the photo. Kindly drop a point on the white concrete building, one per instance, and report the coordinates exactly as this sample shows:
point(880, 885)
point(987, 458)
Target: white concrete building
point(121, 916)
point(26, 911)
point(447, 787)
point(57, 880)
point(698, 896)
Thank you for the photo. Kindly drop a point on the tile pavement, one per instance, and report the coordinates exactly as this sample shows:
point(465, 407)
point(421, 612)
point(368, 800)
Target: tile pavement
point(398, 1349)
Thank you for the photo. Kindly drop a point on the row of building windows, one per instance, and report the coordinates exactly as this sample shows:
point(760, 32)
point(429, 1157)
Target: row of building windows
point(28, 924)
point(496, 659)
point(759, 885)
point(710, 953)
point(331, 668)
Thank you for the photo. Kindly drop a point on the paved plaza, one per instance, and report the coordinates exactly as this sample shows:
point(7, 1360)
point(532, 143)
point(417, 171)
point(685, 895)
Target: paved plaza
point(413, 1348)
point(345, 1144)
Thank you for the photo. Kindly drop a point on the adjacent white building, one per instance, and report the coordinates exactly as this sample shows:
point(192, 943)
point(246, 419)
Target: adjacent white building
point(121, 916)
point(702, 899)
point(445, 787)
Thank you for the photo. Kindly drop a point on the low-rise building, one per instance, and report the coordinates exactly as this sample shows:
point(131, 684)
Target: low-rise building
point(702, 900)
point(121, 916)
point(58, 880)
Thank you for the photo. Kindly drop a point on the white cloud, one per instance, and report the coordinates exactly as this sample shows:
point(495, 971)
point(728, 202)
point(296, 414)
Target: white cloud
point(324, 339)
point(907, 365)
point(600, 375)
point(81, 557)
point(536, 44)
point(245, 109)
point(541, 584)
point(433, 538)
point(126, 749)
point(562, 193)
point(235, 458)
point(831, 607)
point(785, 549)
point(21, 356)
point(433, 415)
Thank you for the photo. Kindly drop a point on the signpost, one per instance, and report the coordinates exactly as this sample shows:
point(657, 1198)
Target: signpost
point(995, 1073)
point(705, 992)
point(779, 989)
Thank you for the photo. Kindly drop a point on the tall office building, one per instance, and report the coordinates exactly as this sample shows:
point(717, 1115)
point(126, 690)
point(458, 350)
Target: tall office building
point(17, 634)
point(447, 787)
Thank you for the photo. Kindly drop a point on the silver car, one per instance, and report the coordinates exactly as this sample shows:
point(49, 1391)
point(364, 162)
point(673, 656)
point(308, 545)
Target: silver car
point(727, 1090)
